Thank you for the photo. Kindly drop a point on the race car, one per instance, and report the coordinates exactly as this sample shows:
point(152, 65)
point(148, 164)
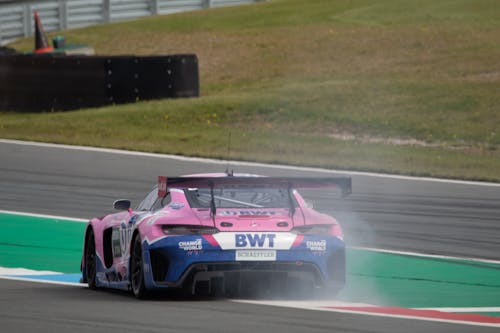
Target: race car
point(218, 234)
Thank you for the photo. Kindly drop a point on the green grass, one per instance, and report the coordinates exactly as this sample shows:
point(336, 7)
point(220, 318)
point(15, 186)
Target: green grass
point(292, 79)
point(418, 282)
point(28, 242)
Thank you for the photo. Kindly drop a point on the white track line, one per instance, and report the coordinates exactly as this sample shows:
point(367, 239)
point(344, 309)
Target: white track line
point(303, 304)
point(252, 164)
point(17, 278)
point(71, 219)
point(465, 310)
point(424, 255)
point(24, 271)
point(19, 274)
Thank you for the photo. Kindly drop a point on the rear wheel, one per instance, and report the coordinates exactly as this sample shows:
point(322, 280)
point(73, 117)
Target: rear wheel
point(90, 260)
point(136, 269)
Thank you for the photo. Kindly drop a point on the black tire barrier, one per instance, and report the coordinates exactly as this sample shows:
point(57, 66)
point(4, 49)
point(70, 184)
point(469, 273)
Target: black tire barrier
point(4, 50)
point(55, 82)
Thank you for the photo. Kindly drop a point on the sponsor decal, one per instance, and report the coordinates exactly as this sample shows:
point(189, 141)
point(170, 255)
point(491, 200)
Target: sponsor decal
point(255, 255)
point(245, 212)
point(316, 245)
point(255, 240)
point(193, 245)
point(176, 205)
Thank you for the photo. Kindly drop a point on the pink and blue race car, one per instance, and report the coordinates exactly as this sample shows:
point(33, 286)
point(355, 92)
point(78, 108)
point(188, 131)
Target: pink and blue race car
point(219, 234)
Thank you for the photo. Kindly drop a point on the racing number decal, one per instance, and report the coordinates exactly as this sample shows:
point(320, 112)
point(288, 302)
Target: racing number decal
point(120, 239)
point(115, 242)
point(125, 235)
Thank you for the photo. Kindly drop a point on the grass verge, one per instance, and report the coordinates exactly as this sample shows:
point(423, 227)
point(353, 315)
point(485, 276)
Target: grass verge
point(395, 86)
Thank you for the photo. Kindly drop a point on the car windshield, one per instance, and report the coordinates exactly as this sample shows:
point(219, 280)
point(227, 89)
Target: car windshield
point(239, 197)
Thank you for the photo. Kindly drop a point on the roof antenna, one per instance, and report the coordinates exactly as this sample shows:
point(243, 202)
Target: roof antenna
point(229, 173)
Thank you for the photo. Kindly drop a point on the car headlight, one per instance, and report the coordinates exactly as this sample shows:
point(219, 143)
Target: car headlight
point(188, 230)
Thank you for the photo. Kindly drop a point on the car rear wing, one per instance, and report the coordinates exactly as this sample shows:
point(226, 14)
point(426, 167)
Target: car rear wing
point(342, 183)
point(289, 183)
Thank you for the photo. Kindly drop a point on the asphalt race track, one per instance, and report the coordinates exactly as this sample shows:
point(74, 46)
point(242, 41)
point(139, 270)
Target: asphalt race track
point(411, 215)
point(28, 307)
point(435, 217)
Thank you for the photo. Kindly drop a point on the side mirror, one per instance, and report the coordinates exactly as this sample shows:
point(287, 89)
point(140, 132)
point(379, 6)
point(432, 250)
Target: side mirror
point(122, 204)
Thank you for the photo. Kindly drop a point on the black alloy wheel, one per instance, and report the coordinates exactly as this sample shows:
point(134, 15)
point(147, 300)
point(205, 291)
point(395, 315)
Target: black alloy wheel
point(136, 269)
point(90, 260)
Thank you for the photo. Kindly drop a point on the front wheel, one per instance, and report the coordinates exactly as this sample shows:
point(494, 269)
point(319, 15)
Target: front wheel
point(136, 269)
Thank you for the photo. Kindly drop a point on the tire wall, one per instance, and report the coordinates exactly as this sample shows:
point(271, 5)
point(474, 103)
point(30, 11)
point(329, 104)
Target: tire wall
point(58, 82)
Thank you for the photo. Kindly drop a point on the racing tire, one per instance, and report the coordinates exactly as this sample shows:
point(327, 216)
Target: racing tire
point(90, 260)
point(137, 270)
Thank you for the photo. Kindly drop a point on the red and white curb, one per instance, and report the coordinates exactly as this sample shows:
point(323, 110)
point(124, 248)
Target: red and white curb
point(445, 315)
